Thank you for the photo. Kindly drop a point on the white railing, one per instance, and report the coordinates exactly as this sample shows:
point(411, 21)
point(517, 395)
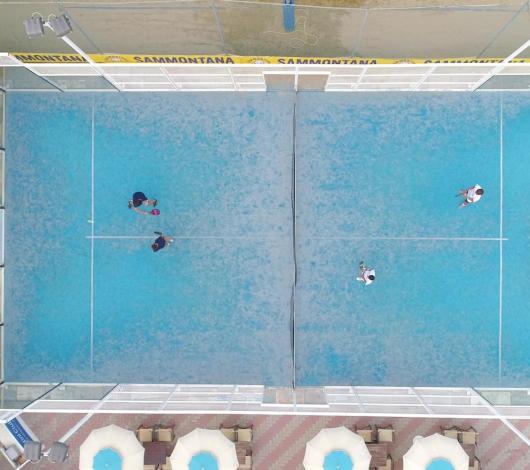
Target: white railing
point(257, 399)
point(253, 77)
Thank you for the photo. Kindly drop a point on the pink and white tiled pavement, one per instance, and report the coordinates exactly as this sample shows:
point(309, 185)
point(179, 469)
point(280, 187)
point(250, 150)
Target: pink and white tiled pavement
point(279, 441)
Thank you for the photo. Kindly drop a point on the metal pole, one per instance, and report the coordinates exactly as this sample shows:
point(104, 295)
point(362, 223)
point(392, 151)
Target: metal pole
point(494, 410)
point(421, 400)
point(95, 66)
point(86, 418)
point(500, 66)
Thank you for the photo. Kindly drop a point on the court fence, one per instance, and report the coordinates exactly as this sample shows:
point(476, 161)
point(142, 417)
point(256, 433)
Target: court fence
point(249, 45)
point(224, 73)
point(465, 402)
point(428, 402)
point(2, 180)
point(89, 75)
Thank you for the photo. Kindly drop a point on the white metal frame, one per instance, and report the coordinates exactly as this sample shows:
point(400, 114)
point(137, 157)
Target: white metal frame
point(434, 402)
point(458, 77)
point(450, 402)
point(251, 77)
point(233, 77)
point(413, 402)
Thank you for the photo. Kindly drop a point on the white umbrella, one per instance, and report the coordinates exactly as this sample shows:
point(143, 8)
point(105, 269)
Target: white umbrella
point(113, 437)
point(198, 441)
point(434, 447)
point(333, 439)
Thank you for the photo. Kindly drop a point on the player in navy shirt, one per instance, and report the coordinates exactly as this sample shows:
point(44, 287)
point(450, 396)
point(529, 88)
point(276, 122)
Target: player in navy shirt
point(161, 241)
point(140, 199)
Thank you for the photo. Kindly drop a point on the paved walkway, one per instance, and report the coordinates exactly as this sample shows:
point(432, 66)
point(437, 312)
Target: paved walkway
point(330, 28)
point(279, 441)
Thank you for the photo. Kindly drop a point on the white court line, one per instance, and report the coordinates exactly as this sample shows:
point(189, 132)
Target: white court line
point(143, 237)
point(477, 239)
point(92, 244)
point(501, 229)
point(175, 237)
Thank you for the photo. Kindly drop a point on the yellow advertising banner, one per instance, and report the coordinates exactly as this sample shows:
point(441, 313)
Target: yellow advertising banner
point(50, 58)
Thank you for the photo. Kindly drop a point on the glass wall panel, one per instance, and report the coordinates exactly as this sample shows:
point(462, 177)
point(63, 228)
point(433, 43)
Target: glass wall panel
point(1, 298)
point(2, 108)
point(81, 83)
point(79, 392)
point(514, 397)
point(14, 396)
point(20, 78)
point(507, 82)
point(2, 225)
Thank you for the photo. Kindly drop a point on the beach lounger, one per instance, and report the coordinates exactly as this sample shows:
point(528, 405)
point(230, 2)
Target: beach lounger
point(58, 452)
point(13, 453)
point(33, 451)
point(167, 465)
point(476, 465)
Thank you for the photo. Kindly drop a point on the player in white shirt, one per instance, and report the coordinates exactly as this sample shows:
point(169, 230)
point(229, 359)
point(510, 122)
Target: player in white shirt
point(366, 275)
point(471, 195)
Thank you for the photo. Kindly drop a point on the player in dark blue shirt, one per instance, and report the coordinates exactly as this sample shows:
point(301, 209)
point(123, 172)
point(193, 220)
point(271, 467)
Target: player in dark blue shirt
point(140, 199)
point(161, 241)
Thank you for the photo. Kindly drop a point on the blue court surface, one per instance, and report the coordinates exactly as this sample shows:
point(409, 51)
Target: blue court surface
point(371, 177)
